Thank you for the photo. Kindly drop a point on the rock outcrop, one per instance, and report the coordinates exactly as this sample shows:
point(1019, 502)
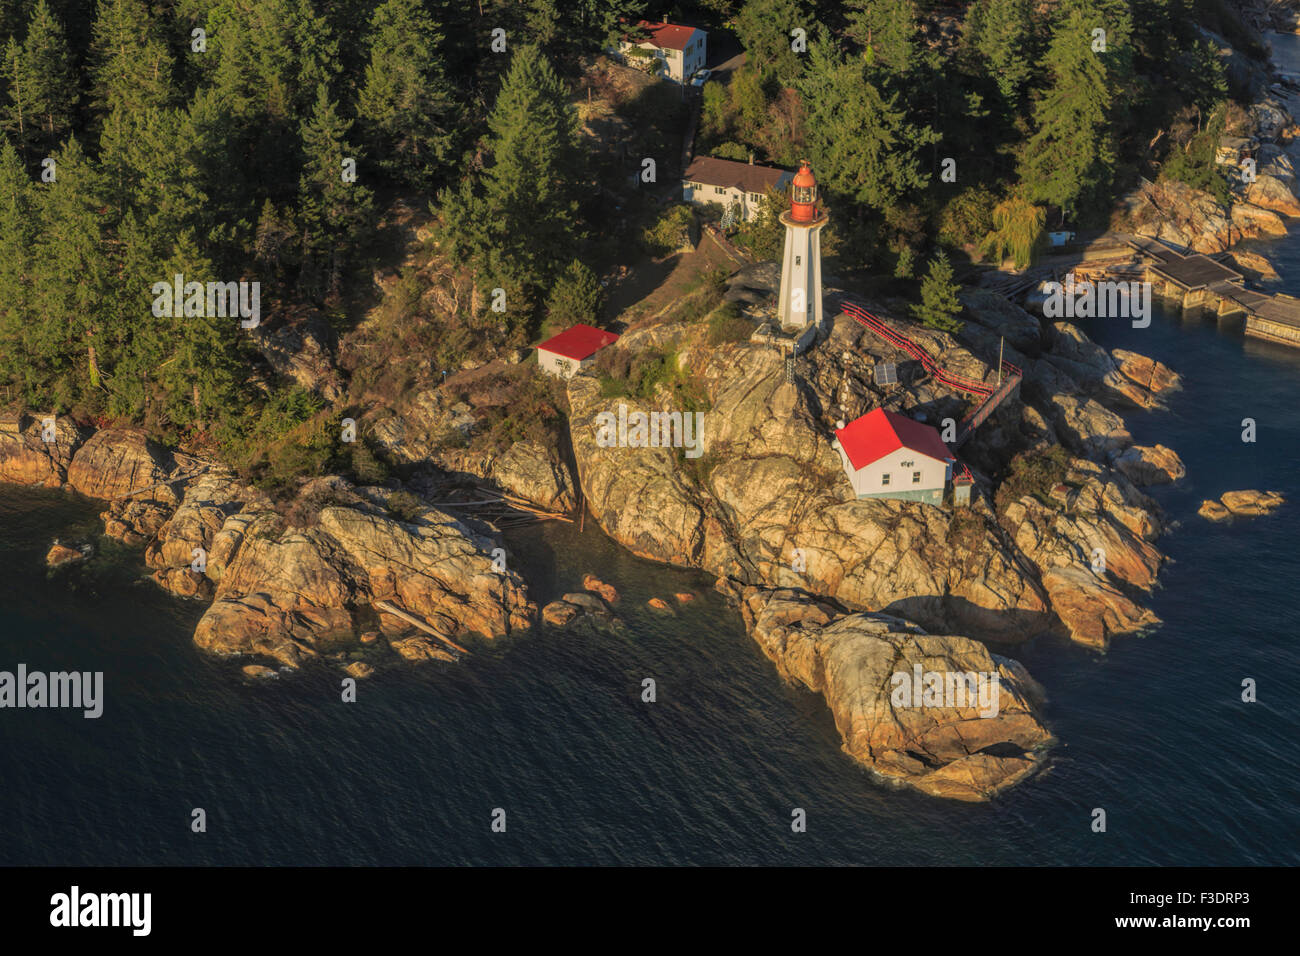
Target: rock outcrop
point(1242, 504)
point(286, 595)
point(579, 610)
point(975, 733)
point(768, 504)
point(1150, 465)
point(1191, 218)
point(26, 458)
point(114, 462)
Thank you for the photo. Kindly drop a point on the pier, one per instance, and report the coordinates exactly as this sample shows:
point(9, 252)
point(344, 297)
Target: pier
point(1202, 282)
point(1194, 280)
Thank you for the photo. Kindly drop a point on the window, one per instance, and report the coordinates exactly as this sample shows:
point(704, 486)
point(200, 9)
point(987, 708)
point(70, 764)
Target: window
point(718, 189)
point(884, 479)
point(797, 261)
point(755, 197)
point(916, 477)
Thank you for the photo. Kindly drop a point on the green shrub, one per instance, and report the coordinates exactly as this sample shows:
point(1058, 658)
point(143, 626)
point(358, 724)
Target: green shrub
point(672, 231)
point(1033, 474)
point(968, 218)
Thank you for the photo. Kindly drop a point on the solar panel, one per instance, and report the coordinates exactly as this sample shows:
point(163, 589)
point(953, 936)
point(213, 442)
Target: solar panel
point(886, 373)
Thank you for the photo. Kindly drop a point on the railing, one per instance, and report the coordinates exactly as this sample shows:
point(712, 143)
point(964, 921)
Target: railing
point(959, 382)
point(992, 395)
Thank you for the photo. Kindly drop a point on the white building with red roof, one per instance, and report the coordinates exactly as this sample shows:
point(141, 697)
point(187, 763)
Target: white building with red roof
point(681, 50)
point(888, 455)
point(572, 349)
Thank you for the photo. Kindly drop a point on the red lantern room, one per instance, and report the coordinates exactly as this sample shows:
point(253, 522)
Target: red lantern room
point(803, 195)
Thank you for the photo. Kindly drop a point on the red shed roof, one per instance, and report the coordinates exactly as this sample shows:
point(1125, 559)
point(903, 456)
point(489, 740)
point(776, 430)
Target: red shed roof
point(579, 342)
point(879, 432)
point(667, 36)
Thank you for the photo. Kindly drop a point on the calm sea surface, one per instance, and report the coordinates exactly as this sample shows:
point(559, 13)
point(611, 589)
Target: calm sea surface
point(552, 729)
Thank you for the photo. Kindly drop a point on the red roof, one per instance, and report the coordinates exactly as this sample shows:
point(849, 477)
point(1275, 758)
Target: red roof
point(667, 36)
point(879, 432)
point(579, 342)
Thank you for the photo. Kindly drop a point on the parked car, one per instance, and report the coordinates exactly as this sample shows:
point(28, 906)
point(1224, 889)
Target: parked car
point(701, 77)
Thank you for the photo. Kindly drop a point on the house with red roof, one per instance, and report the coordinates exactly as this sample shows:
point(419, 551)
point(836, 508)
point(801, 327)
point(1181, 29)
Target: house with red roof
point(888, 455)
point(680, 50)
point(572, 349)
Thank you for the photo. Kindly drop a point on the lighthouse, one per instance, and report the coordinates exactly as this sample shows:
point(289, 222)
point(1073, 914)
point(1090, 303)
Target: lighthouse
point(801, 266)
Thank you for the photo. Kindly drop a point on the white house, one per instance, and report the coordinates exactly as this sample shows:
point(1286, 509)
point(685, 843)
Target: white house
point(888, 455)
point(680, 49)
point(725, 181)
point(573, 349)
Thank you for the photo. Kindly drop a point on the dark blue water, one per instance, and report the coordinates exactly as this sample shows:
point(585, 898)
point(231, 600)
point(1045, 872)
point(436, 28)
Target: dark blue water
point(552, 728)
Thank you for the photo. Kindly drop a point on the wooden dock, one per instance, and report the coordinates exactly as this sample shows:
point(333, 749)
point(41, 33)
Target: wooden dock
point(1201, 282)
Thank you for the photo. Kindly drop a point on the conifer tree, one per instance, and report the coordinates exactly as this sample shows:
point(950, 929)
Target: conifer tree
point(333, 207)
point(18, 228)
point(888, 30)
point(406, 98)
point(132, 67)
point(576, 297)
point(1070, 158)
point(70, 280)
point(1002, 32)
point(521, 229)
point(939, 306)
point(863, 145)
point(41, 90)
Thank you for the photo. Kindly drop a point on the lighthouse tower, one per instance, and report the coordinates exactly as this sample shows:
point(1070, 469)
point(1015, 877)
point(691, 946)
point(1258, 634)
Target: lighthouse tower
point(801, 266)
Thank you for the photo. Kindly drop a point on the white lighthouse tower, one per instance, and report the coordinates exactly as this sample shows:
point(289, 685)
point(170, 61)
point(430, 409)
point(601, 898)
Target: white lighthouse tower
point(801, 267)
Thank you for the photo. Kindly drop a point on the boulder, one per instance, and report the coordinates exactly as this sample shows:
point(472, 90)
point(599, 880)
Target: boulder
point(27, 459)
point(60, 555)
point(258, 671)
point(1242, 504)
point(301, 351)
point(1150, 465)
point(579, 610)
point(594, 584)
point(968, 740)
point(1092, 609)
point(113, 463)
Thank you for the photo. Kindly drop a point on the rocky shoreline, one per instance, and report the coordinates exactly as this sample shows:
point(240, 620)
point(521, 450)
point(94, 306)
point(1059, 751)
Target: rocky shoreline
point(841, 594)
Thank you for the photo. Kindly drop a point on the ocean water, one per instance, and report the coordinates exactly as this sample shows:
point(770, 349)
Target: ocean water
point(551, 728)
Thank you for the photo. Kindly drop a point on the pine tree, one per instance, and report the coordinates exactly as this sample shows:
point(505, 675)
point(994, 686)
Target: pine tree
point(40, 86)
point(406, 100)
point(70, 281)
point(132, 68)
point(1070, 159)
point(863, 145)
point(526, 219)
point(939, 305)
point(577, 296)
point(333, 208)
point(18, 228)
point(763, 28)
point(888, 30)
point(1002, 32)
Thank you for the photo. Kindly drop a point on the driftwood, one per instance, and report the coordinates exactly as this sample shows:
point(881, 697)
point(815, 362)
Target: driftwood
point(414, 621)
